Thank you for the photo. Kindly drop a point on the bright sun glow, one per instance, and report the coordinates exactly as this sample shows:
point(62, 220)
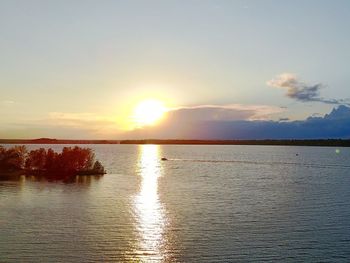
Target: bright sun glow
point(148, 112)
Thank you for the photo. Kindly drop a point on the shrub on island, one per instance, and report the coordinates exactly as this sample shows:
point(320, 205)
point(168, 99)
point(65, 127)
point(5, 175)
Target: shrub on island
point(71, 161)
point(12, 159)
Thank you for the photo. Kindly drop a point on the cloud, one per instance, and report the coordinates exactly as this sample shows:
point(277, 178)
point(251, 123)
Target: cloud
point(63, 125)
point(200, 122)
point(90, 123)
point(7, 102)
point(222, 112)
point(78, 119)
point(183, 121)
point(301, 91)
point(333, 125)
point(179, 121)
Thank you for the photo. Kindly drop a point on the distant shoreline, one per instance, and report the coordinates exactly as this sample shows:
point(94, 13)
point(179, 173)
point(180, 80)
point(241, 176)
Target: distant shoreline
point(315, 142)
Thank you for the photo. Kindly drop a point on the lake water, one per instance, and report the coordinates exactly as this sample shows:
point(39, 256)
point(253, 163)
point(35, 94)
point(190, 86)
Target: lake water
point(205, 204)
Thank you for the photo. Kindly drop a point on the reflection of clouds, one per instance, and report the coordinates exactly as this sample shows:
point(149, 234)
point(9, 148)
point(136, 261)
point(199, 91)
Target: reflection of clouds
point(148, 209)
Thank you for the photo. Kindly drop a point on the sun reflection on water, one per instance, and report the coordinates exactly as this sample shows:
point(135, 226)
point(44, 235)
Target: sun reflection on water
point(148, 208)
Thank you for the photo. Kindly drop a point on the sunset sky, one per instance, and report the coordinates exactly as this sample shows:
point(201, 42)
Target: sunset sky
point(81, 69)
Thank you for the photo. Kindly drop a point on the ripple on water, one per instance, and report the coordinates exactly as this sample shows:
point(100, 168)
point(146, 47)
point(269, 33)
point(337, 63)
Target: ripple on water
point(205, 204)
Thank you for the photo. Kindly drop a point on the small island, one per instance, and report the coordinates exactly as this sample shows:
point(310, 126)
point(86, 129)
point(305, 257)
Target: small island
point(17, 161)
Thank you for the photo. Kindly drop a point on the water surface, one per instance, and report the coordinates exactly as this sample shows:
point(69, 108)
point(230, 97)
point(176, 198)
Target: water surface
point(206, 204)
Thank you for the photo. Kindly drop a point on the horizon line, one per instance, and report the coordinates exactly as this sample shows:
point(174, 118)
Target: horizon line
point(330, 142)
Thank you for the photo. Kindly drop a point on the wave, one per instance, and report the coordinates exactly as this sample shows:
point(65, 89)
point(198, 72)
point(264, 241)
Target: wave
point(315, 165)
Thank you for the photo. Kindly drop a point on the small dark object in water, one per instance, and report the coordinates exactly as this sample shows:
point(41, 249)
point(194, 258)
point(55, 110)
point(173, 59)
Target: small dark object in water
point(297, 154)
point(164, 159)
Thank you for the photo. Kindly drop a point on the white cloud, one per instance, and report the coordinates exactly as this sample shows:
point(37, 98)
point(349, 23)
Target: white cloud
point(7, 102)
point(229, 112)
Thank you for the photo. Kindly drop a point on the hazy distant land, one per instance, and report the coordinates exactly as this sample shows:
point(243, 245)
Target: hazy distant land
point(315, 142)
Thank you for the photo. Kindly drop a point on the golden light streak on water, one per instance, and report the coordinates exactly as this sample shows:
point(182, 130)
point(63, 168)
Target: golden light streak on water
point(148, 208)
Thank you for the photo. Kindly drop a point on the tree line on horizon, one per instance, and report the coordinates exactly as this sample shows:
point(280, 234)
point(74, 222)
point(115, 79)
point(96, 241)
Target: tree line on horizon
point(287, 142)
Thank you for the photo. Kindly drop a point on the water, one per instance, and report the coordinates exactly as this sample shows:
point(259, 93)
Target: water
point(206, 204)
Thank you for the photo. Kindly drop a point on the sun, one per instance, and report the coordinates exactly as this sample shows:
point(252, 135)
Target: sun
point(148, 112)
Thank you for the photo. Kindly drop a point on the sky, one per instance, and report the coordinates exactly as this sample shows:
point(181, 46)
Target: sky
point(78, 69)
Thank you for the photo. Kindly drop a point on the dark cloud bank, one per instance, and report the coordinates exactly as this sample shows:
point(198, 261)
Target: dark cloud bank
point(336, 124)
